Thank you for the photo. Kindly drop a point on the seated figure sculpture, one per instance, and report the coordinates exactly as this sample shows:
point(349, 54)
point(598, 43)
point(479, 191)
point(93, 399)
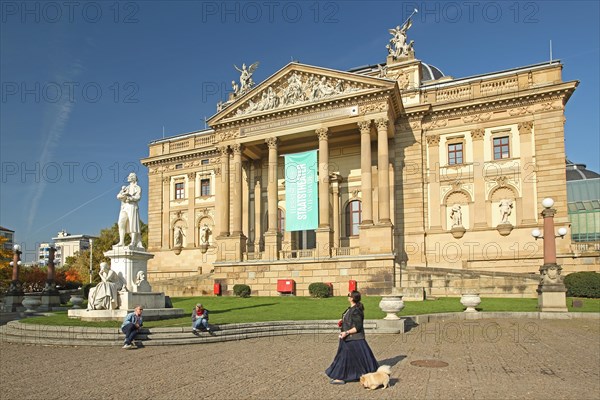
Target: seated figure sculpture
point(105, 295)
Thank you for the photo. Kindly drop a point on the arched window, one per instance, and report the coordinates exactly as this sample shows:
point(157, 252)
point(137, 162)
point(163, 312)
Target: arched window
point(280, 220)
point(353, 217)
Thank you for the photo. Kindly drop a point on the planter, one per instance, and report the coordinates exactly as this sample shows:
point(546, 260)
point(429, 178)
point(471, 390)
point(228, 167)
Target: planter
point(470, 301)
point(31, 303)
point(391, 304)
point(76, 300)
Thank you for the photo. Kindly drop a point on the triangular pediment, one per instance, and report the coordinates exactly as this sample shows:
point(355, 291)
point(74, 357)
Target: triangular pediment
point(298, 85)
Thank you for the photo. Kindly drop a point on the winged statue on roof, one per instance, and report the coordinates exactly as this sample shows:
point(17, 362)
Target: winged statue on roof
point(246, 82)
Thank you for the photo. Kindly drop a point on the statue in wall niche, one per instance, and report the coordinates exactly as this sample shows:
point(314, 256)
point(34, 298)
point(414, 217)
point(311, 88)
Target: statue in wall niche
point(204, 235)
point(456, 215)
point(104, 296)
point(129, 216)
point(506, 206)
point(178, 236)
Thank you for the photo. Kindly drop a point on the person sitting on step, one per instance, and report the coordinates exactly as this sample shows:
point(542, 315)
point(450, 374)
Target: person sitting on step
point(200, 319)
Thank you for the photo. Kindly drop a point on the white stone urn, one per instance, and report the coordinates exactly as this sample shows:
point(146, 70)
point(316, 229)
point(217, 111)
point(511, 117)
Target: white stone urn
point(391, 304)
point(470, 301)
point(31, 303)
point(76, 300)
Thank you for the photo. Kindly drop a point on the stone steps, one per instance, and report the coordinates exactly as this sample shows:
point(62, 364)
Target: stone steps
point(17, 332)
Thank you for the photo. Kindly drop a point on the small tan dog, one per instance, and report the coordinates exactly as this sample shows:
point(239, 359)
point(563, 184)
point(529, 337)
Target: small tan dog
point(376, 379)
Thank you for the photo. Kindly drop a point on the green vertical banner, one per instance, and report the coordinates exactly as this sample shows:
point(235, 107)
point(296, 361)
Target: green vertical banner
point(301, 191)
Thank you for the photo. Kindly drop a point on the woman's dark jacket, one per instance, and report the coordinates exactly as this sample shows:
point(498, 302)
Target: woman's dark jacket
point(353, 318)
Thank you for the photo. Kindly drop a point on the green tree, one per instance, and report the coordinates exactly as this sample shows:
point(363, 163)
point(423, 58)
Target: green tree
point(80, 262)
point(5, 268)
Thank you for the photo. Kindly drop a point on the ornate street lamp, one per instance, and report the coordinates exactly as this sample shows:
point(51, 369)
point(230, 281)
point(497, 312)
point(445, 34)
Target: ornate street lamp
point(551, 289)
point(50, 287)
point(15, 288)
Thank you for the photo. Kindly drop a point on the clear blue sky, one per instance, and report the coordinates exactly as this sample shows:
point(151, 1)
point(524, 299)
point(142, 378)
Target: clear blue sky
point(87, 85)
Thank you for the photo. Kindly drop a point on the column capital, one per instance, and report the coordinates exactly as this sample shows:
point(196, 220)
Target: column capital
point(191, 175)
point(272, 142)
point(364, 126)
point(382, 123)
point(433, 140)
point(237, 148)
point(477, 134)
point(525, 127)
point(223, 150)
point(322, 133)
point(166, 179)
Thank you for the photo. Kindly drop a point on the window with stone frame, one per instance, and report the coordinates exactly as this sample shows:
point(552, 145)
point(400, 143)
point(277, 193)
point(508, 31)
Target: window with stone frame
point(179, 190)
point(205, 187)
point(455, 153)
point(501, 147)
point(353, 217)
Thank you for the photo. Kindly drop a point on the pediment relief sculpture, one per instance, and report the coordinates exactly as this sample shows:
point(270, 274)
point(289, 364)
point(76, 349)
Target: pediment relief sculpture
point(295, 89)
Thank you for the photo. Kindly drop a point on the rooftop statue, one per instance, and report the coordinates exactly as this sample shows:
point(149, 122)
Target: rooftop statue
point(398, 45)
point(246, 82)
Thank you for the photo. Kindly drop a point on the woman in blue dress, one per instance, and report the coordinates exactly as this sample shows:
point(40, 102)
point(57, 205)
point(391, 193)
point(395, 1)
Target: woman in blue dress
point(354, 356)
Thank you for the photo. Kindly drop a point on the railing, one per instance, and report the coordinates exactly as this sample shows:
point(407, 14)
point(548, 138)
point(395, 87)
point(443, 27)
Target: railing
point(257, 255)
point(295, 254)
point(585, 247)
point(454, 94)
point(205, 140)
point(497, 87)
point(184, 144)
point(345, 251)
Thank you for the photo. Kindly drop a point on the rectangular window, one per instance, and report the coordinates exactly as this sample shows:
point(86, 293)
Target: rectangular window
point(204, 162)
point(455, 153)
point(501, 148)
point(179, 191)
point(205, 187)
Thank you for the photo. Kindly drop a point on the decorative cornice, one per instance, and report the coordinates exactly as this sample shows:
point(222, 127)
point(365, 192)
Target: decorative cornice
point(487, 105)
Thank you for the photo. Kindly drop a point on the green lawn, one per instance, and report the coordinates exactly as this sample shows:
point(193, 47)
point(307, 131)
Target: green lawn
point(226, 310)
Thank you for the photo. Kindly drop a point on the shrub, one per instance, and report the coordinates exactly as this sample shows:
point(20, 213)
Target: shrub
point(583, 284)
point(319, 289)
point(241, 290)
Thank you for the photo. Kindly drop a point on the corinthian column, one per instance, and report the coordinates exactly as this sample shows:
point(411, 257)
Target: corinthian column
point(223, 201)
point(272, 185)
point(323, 178)
point(365, 172)
point(272, 241)
point(237, 190)
point(383, 160)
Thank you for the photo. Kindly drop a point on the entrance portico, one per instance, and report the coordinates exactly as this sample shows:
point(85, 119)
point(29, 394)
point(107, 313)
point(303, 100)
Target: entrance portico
point(350, 108)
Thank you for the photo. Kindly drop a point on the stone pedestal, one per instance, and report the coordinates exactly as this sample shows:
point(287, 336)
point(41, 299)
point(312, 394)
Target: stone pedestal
point(551, 290)
point(127, 262)
point(49, 301)
point(130, 263)
point(323, 237)
point(376, 239)
point(458, 232)
point(504, 229)
point(231, 248)
point(12, 303)
point(272, 246)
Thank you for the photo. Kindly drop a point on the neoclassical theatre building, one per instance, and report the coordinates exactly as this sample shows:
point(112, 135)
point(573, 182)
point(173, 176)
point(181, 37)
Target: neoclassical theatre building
point(423, 182)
